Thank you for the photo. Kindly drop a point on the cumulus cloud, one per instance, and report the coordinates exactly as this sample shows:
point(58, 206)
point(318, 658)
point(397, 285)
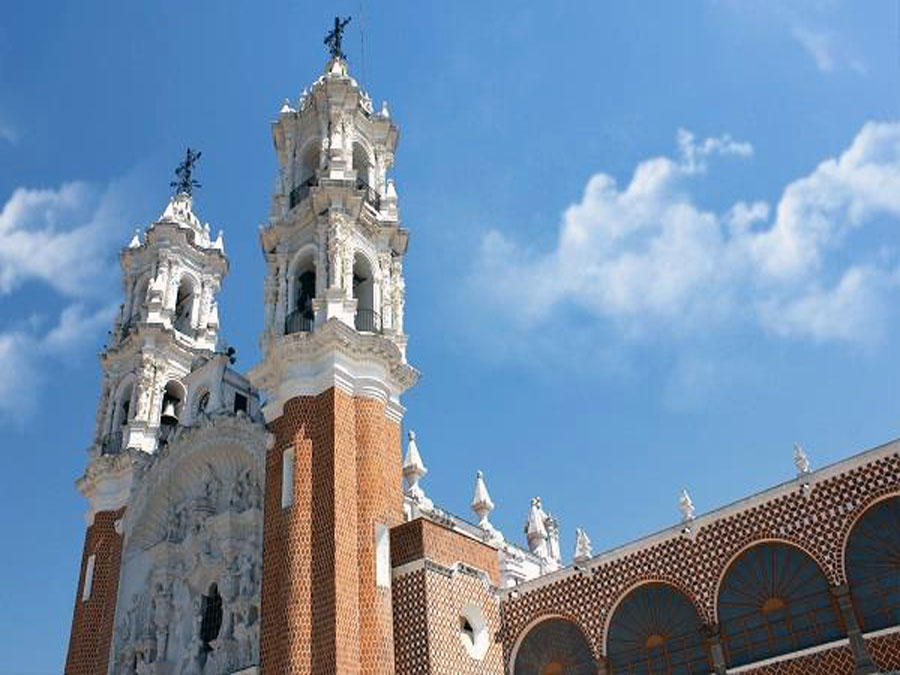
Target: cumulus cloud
point(646, 257)
point(64, 240)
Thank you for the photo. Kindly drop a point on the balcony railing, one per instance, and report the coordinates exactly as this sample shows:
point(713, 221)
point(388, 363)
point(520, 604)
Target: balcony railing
point(368, 321)
point(371, 195)
point(111, 443)
point(299, 193)
point(298, 321)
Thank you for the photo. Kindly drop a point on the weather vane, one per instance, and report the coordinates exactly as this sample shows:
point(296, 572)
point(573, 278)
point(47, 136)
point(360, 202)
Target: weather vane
point(334, 38)
point(186, 183)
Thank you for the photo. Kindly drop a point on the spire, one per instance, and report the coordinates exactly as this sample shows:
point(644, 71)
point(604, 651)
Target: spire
point(482, 506)
point(413, 471)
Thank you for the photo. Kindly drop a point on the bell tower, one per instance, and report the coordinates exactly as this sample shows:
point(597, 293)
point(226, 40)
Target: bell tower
point(333, 370)
point(167, 324)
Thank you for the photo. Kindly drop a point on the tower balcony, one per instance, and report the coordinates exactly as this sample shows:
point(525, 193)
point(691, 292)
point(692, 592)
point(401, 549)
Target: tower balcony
point(299, 321)
point(371, 194)
point(301, 192)
point(367, 321)
point(111, 444)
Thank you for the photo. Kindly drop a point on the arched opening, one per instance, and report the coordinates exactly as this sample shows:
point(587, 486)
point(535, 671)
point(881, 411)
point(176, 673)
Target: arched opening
point(305, 173)
point(774, 599)
point(172, 407)
point(184, 306)
point(367, 319)
point(873, 565)
point(554, 646)
point(202, 402)
point(301, 316)
point(656, 629)
point(211, 621)
point(122, 413)
point(365, 175)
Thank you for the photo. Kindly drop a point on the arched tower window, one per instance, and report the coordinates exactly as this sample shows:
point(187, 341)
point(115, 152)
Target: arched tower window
point(656, 629)
point(114, 440)
point(305, 173)
point(553, 647)
point(361, 165)
point(300, 316)
point(873, 565)
point(184, 305)
point(211, 623)
point(367, 319)
point(774, 599)
point(172, 404)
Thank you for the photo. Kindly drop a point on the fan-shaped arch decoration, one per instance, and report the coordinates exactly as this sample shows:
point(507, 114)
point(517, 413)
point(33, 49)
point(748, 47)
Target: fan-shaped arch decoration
point(775, 599)
point(553, 647)
point(873, 565)
point(656, 629)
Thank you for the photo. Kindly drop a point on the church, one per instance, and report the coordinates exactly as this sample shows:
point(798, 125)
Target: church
point(277, 521)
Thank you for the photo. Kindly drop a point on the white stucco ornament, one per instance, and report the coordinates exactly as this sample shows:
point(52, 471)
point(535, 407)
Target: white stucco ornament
point(801, 460)
point(686, 506)
point(482, 506)
point(583, 551)
point(413, 471)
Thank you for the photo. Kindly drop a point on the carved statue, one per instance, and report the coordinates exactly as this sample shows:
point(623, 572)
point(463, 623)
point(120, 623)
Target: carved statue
point(686, 506)
point(162, 608)
point(582, 546)
point(248, 582)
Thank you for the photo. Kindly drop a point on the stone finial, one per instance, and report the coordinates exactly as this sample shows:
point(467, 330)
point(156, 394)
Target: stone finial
point(384, 109)
point(413, 468)
point(583, 551)
point(136, 239)
point(535, 530)
point(686, 506)
point(481, 501)
point(801, 460)
point(286, 107)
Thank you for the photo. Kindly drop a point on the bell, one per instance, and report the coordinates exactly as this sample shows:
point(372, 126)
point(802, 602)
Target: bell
point(168, 414)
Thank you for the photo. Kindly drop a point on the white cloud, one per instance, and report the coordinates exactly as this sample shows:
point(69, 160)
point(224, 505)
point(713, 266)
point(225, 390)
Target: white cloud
point(64, 239)
point(60, 237)
point(820, 45)
point(646, 257)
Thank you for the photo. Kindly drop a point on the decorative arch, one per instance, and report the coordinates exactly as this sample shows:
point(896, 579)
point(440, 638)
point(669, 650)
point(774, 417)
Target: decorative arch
point(655, 627)
point(553, 645)
point(184, 312)
point(366, 293)
point(363, 162)
point(774, 598)
point(872, 564)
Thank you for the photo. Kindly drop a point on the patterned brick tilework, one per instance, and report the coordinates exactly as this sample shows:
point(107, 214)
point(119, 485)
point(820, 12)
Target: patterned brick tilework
point(424, 539)
point(429, 601)
point(410, 624)
point(321, 612)
point(92, 624)
point(837, 661)
point(885, 650)
point(818, 523)
point(380, 502)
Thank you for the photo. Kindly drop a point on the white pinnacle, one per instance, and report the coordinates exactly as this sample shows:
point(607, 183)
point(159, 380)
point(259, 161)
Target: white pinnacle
point(686, 506)
point(481, 501)
point(801, 460)
point(413, 467)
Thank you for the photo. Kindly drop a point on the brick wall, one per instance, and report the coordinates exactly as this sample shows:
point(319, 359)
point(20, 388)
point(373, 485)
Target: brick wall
point(836, 661)
point(429, 600)
point(92, 623)
point(321, 609)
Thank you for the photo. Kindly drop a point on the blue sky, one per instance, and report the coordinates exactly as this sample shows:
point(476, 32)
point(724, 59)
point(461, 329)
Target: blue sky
point(653, 244)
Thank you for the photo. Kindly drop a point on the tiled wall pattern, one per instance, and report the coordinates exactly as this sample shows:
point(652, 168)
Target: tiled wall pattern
point(321, 610)
point(818, 523)
point(92, 624)
point(837, 661)
point(885, 651)
point(429, 600)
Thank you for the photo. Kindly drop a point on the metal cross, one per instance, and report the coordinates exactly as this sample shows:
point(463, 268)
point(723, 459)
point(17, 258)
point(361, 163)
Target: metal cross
point(186, 183)
point(334, 38)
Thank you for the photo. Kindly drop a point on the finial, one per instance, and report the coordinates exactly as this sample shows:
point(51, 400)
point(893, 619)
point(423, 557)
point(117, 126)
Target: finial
point(413, 466)
point(335, 37)
point(801, 460)
point(136, 239)
point(286, 107)
point(583, 551)
point(686, 506)
point(481, 501)
point(185, 182)
point(384, 109)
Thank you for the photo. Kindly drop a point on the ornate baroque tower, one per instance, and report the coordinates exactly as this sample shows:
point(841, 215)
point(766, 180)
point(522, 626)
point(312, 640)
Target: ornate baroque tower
point(333, 370)
point(167, 325)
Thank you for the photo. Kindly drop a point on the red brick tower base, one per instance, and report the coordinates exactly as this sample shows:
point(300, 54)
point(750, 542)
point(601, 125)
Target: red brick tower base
point(92, 623)
point(322, 610)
